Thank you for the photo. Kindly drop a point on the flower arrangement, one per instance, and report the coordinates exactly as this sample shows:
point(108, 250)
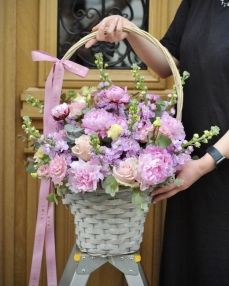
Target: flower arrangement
point(107, 138)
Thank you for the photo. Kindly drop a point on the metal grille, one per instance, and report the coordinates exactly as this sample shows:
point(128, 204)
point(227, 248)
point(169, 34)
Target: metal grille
point(76, 19)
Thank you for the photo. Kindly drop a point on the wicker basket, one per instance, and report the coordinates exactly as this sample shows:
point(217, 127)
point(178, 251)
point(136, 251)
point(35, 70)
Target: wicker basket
point(108, 226)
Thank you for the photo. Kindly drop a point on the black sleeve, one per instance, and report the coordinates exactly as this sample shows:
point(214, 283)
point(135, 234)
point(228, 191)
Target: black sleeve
point(173, 36)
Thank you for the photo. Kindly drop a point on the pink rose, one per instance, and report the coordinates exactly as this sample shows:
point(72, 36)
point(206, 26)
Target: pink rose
point(43, 171)
point(57, 169)
point(60, 112)
point(83, 176)
point(82, 147)
point(76, 107)
point(116, 94)
point(124, 174)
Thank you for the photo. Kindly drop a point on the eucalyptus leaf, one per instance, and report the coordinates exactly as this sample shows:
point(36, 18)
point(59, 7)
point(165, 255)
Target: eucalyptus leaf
point(140, 211)
point(71, 138)
point(86, 110)
point(30, 169)
point(69, 128)
point(163, 141)
point(109, 180)
point(144, 206)
point(137, 200)
point(77, 129)
point(67, 139)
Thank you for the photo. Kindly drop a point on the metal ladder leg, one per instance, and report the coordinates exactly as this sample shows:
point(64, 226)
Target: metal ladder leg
point(77, 271)
point(68, 277)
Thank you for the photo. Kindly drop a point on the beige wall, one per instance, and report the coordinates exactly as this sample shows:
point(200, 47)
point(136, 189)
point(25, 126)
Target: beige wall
point(21, 31)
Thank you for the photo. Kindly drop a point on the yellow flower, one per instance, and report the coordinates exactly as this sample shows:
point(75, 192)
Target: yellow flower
point(114, 131)
point(34, 175)
point(157, 122)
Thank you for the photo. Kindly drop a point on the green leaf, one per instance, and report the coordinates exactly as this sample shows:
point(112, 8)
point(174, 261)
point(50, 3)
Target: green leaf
point(86, 110)
point(69, 128)
point(30, 169)
point(109, 180)
point(144, 206)
point(46, 159)
point(140, 211)
point(195, 157)
point(70, 138)
point(77, 129)
point(178, 182)
point(51, 197)
point(137, 199)
point(163, 141)
point(59, 192)
point(111, 186)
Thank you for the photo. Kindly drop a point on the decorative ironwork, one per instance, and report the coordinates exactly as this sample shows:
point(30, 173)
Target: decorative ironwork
point(76, 19)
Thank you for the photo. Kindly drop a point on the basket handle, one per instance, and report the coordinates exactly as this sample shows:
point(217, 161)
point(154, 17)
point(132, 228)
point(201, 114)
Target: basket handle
point(175, 72)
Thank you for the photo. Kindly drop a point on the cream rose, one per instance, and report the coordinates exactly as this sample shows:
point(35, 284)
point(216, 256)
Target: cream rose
point(124, 174)
point(82, 148)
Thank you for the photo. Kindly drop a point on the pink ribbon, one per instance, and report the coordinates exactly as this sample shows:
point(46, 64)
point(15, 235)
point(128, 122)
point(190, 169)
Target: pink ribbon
point(45, 216)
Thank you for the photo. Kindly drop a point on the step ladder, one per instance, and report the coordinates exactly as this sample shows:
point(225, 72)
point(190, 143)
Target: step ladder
point(80, 265)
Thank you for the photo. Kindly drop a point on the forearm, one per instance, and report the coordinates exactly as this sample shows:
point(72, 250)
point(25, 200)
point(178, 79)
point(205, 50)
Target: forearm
point(111, 30)
point(207, 163)
point(150, 55)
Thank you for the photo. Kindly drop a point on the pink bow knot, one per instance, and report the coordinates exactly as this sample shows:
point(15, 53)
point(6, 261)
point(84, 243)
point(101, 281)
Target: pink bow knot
point(54, 83)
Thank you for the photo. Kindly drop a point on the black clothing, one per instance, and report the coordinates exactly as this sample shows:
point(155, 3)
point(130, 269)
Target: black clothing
point(196, 235)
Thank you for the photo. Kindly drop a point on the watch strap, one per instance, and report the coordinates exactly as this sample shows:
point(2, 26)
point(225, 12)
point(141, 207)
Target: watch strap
point(216, 155)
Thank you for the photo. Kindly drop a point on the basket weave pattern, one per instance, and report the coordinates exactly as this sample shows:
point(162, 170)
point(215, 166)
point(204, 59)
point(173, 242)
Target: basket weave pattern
point(104, 225)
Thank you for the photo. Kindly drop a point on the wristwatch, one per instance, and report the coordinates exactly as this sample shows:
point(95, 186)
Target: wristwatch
point(216, 155)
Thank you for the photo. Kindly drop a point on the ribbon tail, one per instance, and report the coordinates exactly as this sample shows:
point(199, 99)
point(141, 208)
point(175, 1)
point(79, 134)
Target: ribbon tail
point(39, 234)
point(50, 247)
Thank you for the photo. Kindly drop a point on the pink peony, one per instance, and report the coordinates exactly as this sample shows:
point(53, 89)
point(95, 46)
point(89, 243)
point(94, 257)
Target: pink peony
point(124, 173)
point(98, 121)
point(82, 147)
point(84, 176)
point(57, 169)
point(171, 127)
point(116, 94)
point(155, 165)
point(43, 171)
point(60, 112)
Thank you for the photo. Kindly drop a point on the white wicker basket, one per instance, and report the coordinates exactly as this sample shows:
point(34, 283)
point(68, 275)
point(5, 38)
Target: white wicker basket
point(109, 226)
point(106, 225)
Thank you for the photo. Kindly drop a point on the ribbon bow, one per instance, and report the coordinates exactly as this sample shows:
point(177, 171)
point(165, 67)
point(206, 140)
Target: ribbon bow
point(54, 83)
point(45, 216)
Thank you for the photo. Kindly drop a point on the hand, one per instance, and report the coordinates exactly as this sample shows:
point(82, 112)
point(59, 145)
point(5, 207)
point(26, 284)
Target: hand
point(190, 172)
point(110, 30)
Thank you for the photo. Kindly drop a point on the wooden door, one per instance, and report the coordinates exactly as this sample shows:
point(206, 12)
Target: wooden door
point(25, 26)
